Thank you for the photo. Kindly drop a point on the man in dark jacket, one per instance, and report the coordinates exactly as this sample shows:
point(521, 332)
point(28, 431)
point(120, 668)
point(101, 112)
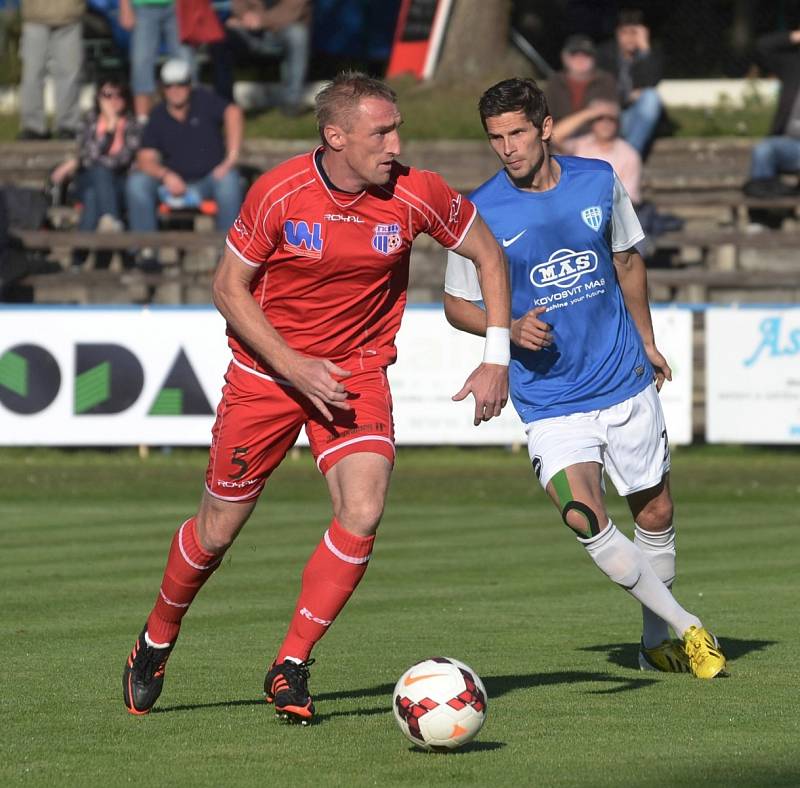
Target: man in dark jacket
point(779, 54)
point(637, 66)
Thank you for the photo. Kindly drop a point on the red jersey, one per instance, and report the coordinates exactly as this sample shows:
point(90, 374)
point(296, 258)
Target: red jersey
point(333, 266)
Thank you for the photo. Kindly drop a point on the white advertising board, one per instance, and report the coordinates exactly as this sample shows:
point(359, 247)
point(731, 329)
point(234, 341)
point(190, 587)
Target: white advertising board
point(672, 327)
point(753, 375)
point(128, 376)
point(110, 377)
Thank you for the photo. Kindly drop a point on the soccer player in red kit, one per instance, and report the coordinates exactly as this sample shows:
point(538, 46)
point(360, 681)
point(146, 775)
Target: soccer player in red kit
point(313, 284)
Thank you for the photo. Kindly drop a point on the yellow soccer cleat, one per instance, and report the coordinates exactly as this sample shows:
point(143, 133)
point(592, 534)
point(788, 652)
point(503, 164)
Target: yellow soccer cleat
point(706, 660)
point(667, 657)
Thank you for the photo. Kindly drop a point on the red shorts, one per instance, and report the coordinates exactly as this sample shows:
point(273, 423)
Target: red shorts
point(259, 419)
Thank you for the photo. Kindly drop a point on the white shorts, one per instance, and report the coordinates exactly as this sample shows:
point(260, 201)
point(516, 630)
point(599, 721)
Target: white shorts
point(629, 440)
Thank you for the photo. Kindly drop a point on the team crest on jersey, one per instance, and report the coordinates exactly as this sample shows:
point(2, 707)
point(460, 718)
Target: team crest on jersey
point(593, 216)
point(303, 240)
point(386, 238)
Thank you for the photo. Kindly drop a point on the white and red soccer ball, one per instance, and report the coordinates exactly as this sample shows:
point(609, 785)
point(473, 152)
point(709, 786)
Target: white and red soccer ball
point(439, 703)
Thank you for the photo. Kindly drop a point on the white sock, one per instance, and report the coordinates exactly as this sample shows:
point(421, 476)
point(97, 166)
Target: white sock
point(622, 561)
point(152, 643)
point(659, 549)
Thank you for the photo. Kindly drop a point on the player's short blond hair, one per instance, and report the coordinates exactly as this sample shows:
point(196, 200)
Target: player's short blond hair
point(338, 101)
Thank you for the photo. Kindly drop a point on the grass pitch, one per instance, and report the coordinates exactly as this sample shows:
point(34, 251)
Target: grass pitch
point(471, 562)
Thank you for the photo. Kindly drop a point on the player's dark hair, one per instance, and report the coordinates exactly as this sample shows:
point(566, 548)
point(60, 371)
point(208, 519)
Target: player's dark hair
point(337, 102)
point(630, 16)
point(514, 95)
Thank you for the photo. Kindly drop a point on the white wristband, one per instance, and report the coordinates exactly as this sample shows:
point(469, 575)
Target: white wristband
point(498, 346)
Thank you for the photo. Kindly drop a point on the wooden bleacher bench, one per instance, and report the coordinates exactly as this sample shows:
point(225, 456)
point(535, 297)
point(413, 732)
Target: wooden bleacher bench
point(706, 239)
point(189, 258)
point(123, 241)
point(697, 180)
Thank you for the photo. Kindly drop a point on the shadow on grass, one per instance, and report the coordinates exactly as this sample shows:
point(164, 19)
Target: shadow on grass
point(473, 746)
point(626, 654)
point(496, 686)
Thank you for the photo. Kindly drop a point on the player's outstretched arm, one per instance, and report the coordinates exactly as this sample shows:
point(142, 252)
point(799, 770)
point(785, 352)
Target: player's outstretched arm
point(464, 315)
point(632, 276)
point(488, 384)
point(480, 246)
point(319, 379)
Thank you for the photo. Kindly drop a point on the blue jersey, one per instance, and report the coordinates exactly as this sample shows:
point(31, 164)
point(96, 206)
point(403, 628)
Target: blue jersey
point(559, 245)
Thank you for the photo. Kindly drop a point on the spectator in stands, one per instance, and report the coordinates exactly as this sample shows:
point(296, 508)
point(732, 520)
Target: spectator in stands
point(638, 67)
point(189, 151)
point(779, 54)
point(260, 28)
point(578, 83)
point(52, 42)
point(602, 142)
point(108, 141)
point(152, 23)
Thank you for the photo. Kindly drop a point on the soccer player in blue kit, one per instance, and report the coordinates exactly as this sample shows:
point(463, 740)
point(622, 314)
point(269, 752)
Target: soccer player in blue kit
point(585, 370)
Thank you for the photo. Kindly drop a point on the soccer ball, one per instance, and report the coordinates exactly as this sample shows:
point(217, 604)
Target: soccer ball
point(439, 703)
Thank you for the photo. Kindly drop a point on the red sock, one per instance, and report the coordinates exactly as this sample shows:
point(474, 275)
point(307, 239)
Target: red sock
point(330, 577)
point(188, 567)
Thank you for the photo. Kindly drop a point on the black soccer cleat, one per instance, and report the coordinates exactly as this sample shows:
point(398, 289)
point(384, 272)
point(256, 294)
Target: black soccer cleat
point(143, 676)
point(286, 685)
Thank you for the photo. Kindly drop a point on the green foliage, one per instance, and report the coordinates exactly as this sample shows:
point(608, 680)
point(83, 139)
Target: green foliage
point(10, 27)
point(471, 561)
point(433, 111)
point(752, 119)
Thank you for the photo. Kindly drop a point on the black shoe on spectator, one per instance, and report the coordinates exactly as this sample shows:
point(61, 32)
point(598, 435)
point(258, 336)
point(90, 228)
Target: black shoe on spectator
point(66, 134)
point(768, 188)
point(31, 135)
point(149, 264)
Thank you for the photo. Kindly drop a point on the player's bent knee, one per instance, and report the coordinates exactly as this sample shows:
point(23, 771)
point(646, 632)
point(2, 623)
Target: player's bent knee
point(656, 517)
point(214, 537)
point(217, 527)
point(581, 519)
point(360, 518)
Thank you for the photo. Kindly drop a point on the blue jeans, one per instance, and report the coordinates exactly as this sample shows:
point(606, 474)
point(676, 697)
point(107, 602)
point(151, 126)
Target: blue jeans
point(154, 24)
point(774, 155)
point(101, 191)
point(291, 45)
point(639, 120)
point(142, 194)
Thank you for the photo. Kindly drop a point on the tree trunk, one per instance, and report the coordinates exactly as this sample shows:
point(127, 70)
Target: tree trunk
point(476, 40)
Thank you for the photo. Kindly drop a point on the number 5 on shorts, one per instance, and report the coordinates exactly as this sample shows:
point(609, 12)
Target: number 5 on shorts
point(237, 458)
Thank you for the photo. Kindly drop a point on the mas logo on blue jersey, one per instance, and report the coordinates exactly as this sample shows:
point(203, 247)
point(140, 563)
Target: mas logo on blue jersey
point(386, 238)
point(303, 240)
point(564, 268)
point(593, 216)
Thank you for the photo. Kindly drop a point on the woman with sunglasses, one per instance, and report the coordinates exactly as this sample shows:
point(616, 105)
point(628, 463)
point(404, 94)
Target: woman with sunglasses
point(107, 143)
